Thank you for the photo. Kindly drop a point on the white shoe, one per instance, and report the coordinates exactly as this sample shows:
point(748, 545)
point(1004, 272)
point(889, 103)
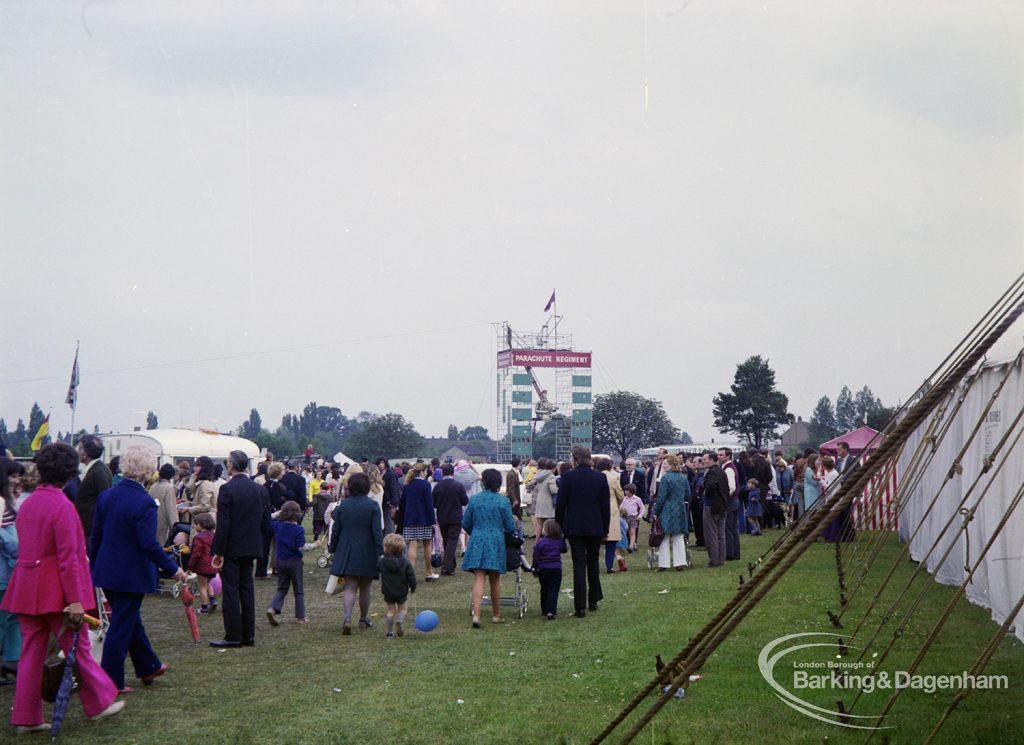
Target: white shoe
point(433, 576)
point(25, 729)
point(110, 711)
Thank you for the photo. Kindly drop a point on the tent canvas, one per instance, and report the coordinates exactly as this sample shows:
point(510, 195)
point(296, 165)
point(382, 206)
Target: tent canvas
point(858, 441)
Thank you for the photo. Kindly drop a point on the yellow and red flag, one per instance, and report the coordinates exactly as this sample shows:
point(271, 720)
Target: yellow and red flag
point(44, 432)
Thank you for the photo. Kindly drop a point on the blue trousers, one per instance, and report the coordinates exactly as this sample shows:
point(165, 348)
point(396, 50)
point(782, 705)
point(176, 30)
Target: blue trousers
point(127, 637)
point(10, 635)
point(732, 534)
point(550, 585)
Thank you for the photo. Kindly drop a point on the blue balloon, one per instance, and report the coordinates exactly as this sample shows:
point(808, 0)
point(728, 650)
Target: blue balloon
point(426, 621)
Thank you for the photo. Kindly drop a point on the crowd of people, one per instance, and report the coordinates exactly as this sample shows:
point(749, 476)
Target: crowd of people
point(72, 523)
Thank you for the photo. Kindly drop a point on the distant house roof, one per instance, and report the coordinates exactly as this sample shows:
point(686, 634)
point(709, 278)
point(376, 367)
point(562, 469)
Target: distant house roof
point(797, 434)
point(439, 446)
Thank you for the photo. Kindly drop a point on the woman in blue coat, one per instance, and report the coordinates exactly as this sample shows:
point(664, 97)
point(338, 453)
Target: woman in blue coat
point(670, 509)
point(357, 543)
point(125, 556)
point(488, 519)
point(417, 507)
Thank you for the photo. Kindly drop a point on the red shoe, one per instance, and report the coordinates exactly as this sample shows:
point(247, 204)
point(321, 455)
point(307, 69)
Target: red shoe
point(147, 680)
point(622, 565)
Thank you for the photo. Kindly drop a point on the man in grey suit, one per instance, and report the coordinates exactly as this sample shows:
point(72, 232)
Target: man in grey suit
point(96, 478)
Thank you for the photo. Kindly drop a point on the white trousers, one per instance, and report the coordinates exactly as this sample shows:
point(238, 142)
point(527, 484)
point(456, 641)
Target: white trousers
point(672, 552)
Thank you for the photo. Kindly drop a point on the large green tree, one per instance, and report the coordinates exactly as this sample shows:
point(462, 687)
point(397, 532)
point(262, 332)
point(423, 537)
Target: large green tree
point(250, 428)
point(625, 421)
point(846, 411)
point(822, 426)
point(390, 435)
point(754, 409)
point(474, 433)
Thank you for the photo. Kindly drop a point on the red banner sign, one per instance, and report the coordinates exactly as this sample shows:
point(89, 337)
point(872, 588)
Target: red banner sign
point(542, 358)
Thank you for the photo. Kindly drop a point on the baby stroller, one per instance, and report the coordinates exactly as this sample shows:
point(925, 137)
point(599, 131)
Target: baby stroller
point(514, 566)
point(169, 585)
point(324, 560)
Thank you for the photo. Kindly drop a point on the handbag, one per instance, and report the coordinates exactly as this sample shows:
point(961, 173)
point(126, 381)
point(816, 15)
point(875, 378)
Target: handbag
point(657, 534)
point(53, 671)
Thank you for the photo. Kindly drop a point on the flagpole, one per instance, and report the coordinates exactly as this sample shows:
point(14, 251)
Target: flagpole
point(554, 309)
point(74, 383)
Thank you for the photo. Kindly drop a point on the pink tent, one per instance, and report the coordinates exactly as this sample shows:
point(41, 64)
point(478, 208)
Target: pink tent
point(857, 440)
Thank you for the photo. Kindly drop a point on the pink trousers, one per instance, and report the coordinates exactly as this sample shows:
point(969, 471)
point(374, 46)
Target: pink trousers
point(95, 688)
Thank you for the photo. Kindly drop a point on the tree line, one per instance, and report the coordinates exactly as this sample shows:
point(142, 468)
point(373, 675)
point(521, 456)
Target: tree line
point(624, 422)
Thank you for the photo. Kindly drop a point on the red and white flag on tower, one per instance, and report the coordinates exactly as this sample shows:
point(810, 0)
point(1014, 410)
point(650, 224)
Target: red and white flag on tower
point(550, 302)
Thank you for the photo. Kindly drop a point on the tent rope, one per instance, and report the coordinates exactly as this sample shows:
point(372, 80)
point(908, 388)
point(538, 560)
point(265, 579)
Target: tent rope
point(747, 597)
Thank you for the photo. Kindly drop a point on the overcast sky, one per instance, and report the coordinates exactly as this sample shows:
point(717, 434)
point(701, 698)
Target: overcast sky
point(834, 186)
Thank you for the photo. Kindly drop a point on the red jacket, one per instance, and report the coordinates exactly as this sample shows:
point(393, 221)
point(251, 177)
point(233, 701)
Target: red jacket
point(201, 559)
point(53, 568)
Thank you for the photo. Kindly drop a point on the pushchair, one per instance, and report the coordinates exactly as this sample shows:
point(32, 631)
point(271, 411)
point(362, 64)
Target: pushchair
point(654, 540)
point(324, 560)
point(513, 565)
point(169, 585)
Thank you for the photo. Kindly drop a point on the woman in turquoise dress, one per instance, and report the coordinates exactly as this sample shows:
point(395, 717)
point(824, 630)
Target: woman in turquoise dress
point(812, 487)
point(488, 519)
point(671, 510)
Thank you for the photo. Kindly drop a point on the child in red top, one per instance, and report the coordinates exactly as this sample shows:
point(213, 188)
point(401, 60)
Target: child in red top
point(201, 560)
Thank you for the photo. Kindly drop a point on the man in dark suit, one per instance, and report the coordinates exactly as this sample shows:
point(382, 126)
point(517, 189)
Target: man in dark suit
point(634, 477)
point(243, 516)
point(846, 464)
point(715, 499)
point(583, 510)
point(449, 499)
point(96, 478)
point(295, 484)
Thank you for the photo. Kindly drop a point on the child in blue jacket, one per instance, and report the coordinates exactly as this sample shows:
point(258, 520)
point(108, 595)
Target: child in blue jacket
point(290, 538)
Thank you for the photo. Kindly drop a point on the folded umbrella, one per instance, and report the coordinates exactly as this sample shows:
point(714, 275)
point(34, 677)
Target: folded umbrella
point(67, 682)
point(190, 613)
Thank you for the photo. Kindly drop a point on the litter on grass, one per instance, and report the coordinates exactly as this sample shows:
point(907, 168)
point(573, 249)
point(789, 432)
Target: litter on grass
point(336, 690)
point(459, 701)
point(663, 592)
point(680, 692)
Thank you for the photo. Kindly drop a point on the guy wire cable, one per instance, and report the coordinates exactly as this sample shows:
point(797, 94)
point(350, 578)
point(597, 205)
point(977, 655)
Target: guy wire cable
point(953, 471)
point(979, 666)
point(1007, 300)
point(751, 593)
point(908, 613)
point(948, 610)
point(923, 563)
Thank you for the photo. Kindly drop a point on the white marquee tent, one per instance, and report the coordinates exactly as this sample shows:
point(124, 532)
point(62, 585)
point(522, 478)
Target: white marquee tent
point(999, 580)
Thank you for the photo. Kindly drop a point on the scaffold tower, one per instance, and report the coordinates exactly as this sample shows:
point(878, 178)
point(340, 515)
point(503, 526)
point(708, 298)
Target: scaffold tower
point(527, 362)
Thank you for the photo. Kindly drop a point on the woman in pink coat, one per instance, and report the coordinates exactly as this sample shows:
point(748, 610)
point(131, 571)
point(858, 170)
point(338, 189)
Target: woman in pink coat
point(51, 585)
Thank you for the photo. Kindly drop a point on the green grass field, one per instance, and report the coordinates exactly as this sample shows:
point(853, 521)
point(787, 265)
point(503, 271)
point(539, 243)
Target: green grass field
point(539, 681)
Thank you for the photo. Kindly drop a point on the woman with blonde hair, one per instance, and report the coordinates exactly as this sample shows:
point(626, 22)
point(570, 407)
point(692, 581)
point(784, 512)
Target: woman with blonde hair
point(417, 508)
point(376, 489)
point(670, 508)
